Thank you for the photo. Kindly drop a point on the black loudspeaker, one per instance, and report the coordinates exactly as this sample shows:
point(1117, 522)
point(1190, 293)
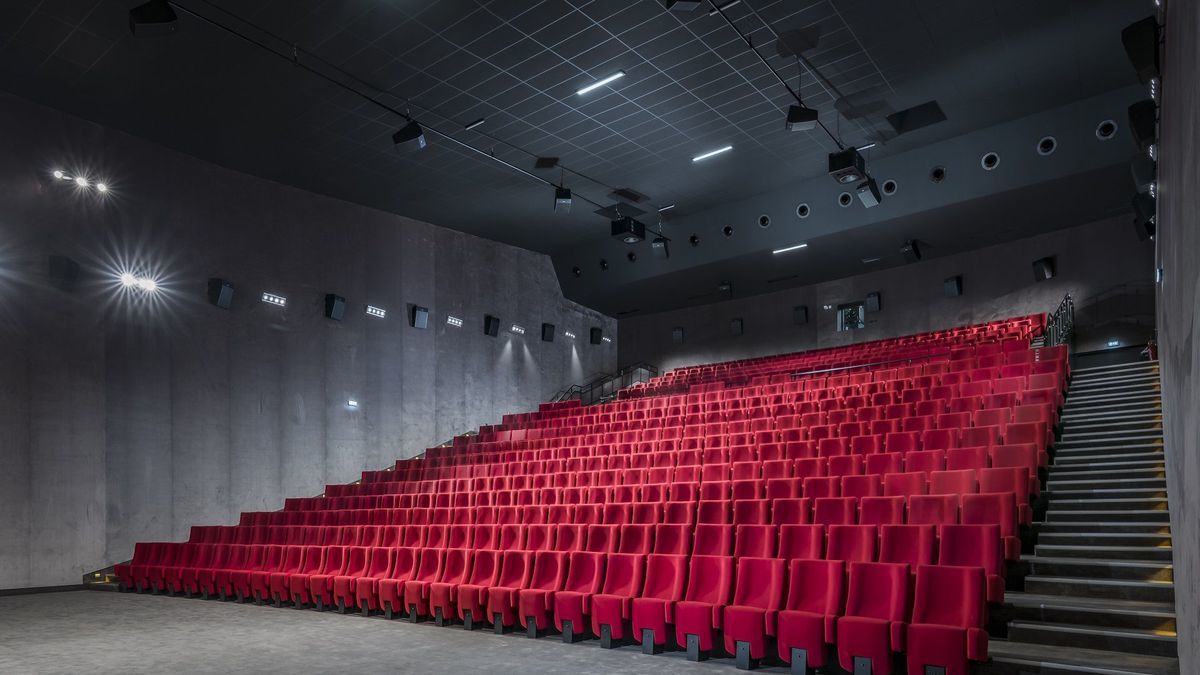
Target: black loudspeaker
point(736, 327)
point(1143, 117)
point(64, 272)
point(220, 293)
point(1043, 269)
point(419, 318)
point(873, 303)
point(491, 325)
point(1145, 229)
point(1144, 170)
point(597, 336)
point(153, 19)
point(335, 306)
point(677, 335)
point(547, 332)
point(952, 287)
point(1141, 46)
point(800, 315)
point(911, 251)
point(659, 248)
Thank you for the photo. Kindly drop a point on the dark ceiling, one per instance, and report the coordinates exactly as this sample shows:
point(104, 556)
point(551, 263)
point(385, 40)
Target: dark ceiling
point(691, 85)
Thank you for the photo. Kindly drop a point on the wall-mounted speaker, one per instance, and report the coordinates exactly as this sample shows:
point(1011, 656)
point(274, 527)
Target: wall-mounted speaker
point(1141, 46)
point(911, 251)
point(1143, 118)
point(597, 336)
point(491, 325)
point(419, 318)
point(1043, 269)
point(800, 315)
point(220, 293)
point(677, 335)
point(873, 302)
point(335, 307)
point(736, 327)
point(952, 287)
point(547, 332)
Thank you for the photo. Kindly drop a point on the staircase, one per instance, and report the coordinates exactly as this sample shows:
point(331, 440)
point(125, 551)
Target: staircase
point(1098, 587)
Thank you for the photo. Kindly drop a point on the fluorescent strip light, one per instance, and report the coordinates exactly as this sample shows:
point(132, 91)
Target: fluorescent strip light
point(454, 321)
point(868, 146)
point(518, 330)
point(706, 155)
point(790, 248)
point(723, 7)
point(476, 123)
point(376, 311)
point(274, 299)
point(668, 207)
point(595, 85)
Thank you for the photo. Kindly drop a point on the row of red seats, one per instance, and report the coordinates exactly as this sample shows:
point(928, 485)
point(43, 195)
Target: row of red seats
point(742, 599)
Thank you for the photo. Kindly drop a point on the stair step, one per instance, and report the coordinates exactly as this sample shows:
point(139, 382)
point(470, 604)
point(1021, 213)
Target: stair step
point(1077, 483)
point(1113, 429)
point(1115, 408)
point(1127, 589)
point(1130, 515)
point(1028, 658)
point(1124, 464)
point(1136, 640)
point(1113, 368)
point(1089, 611)
point(1123, 474)
point(1131, 504)
point(1079, 400)
point(1098, 568)
point(1150, 414)
point(1104, 526)
point(1112, 422)
point(1078, 457)
point(1118, 380)
point(1135, 448)
point(1155, 540)
point(1107, 493)
point(1117, 439)
point(1144, 553)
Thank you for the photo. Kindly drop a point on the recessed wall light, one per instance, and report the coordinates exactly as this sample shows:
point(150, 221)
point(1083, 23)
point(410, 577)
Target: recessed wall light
point(376, 311)
point(601, 82)
point(274, 299)
point(569, 334)
point(790, 248)
point(518, 329)
point(454, 321)
point(712, 153)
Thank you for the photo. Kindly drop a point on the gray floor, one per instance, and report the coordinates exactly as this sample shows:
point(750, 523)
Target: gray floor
point(98, 632)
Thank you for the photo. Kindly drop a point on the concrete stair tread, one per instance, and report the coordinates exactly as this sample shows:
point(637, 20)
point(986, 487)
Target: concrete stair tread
point(1103, 582)
point(1129, 365)
point(1068, 459)
point(1155, 438)
point(1134, 553)
point(1150, 416)
point(1078, 628)
point(1098, 562)
point(1023, 599)
point(1102, 535)
point(1081, 400)
point(1072, 435)
point(1119, 473)
point(1030, 658)
point(1124, 379)
point(1081, 467)
point(1109, 500)
point(1113, 527)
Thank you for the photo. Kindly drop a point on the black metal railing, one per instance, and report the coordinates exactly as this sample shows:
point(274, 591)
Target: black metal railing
point(605, 387)
point(1060, 326)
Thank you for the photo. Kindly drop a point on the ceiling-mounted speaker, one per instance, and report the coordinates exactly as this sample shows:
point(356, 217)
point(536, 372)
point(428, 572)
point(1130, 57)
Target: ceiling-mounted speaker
point(658, 246)
point(1141, 46)
point(547, 332)
point(736, 327)
point(64, 272)
point(491, 325)
point(335, 307)
point(801, 118)
point(952, 287)
point(1043, 269)
point(1143, 118)
point(419, 317)
point(911, 251)
point(873, 303)
point(1143, 170)
point(597, 336)
point(1144, 210)
point(220, 293)
point(410, 137)
point(153, 19)
point(800, 315)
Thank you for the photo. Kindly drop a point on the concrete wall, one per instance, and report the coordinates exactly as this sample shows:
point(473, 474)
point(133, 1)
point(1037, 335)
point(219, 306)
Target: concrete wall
point(1178, 321)
point(1094, 262)
point(122, 420)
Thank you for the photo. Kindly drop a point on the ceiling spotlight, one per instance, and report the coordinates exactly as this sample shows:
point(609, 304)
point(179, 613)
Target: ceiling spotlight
point(518, 329)
point(868, 193)
point(569, 334)
point(128, 280)
point(790, 248)
point(476, 123)
point(101, 187)
point(377, 312)
point(274, 299)
point(410, 138)
point(147, 284)
point(712, 153)
point(605, 339)
point(629, 230)
point(81, 181)
point(801, 118)
point(600, 83)
point(828, 306)
point(58, 174)
point(562, 199)
point(454, 321)
point(847, 166)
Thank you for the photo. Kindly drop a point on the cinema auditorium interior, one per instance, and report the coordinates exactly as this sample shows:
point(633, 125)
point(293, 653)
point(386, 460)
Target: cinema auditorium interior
point(600, 336)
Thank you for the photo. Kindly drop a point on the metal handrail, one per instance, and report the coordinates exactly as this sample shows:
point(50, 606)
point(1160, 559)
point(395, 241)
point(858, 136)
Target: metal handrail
point(873, 364)
point(606, 387)
point(1060, 326)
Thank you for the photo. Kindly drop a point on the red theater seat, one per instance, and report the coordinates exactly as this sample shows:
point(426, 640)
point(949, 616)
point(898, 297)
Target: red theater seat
point(389, 591)
point(975, 546)
point(851, 543)
point(949, 613)
point(754, 541)
point(654, 609)
point(750, 617)
point(698, 615)
point(806, 625)
point(877, 611)
point(611, 607)
point(672, 539)
point(801, 541)
point(516, 568)
point(431, 563)
point(909, 544)
point(715, 540)
point(881, 510)
point(462, 567)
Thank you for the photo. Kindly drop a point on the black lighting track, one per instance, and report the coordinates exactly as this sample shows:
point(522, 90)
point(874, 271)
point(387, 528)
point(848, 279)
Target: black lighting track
point(811, 69)
point(292, 54)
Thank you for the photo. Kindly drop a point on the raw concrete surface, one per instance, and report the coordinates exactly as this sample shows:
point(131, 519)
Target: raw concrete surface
point(125, 421)
point(1093, 262)
point(97, 632)
point(1178, 319)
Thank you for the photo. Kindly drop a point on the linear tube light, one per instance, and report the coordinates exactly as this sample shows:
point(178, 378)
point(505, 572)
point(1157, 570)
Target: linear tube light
point(712, 153)
point(789, 248)
point(600, 83)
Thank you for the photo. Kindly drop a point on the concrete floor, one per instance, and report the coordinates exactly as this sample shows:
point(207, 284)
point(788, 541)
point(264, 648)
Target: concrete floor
point(98, 632)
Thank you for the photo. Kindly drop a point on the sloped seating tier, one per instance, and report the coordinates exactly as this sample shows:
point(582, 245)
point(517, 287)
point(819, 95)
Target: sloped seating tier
point(755, 507)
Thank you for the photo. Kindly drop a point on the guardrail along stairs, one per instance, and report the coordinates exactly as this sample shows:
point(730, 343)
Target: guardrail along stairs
point(1099, 595)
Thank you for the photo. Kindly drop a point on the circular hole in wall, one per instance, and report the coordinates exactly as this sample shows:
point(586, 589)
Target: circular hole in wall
point(1047, 145)
point(728, 230)
point(632, 256)
point(845, 199)
point(1106, 130)
point(802, 210)
point(576, 271)
point(937, 174)
point(989, 161)
point(603, 264)
point(889, 187)
point(764, 220)
point(695, 241)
